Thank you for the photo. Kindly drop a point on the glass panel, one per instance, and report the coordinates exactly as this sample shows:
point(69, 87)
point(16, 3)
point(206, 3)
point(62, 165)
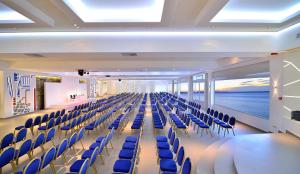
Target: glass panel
point(184, 88)
point(249, 95)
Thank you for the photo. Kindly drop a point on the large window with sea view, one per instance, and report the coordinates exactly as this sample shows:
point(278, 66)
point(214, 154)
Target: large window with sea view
point(184, 88)
point(248, 95)
point(199, 87)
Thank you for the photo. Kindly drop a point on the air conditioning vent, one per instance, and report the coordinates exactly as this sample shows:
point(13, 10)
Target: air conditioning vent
point(298, 36)
point(34, 55)
point(128, 54)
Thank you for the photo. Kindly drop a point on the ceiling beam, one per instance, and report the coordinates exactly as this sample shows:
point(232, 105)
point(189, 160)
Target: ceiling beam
point(30, 11)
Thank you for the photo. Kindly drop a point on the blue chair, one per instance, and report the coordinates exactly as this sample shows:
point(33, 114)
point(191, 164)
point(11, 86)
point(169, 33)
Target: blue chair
point(57, 122)
point(166, 145)
point(61, 148)
point(37, 122)
point(45, 118)
point(33, 167)
point(229, 125)
point(21, 135)
point(24, 149)
point(49, 125)
point(81, 136)
point(50, 136)
point(170, 165)
point(83, 168)
point(39, 142)
point(72, 141)
point(28, 125)
point(69, 127)
point(187, 166)
point(167, 153)
point(51, 115)
point(7, 157)
point(6, 141)
point(48, 158)
point(76, 166)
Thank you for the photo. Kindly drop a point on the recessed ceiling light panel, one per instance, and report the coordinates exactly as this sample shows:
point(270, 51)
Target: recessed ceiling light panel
point(258, 11)
point(117, 10)
point(10, 16)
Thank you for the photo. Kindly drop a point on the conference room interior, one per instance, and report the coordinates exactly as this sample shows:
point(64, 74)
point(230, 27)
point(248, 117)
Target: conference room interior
point(149, 86)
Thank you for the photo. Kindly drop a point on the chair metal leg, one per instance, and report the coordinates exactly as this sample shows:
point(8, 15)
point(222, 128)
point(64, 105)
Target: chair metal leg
point(52, 168)
point(233, 132)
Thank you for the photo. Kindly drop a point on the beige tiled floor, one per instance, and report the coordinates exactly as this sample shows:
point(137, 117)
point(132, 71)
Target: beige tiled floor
point(193, 143)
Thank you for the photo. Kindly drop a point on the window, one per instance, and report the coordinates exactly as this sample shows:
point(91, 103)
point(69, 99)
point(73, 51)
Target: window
point(184, 88)
point(175, 88)
point(249, 95)
point(170, 88)
point(198, 91)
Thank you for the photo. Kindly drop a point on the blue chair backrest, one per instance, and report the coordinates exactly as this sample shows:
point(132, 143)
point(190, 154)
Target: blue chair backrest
point(73, 124)
point(48, 157)
point(170, 132)
point(62, 112)
point(205, 118)
point(180, 156)
point(84, 167)
point(208, 110)
point(80, 134)
point(57, 121)
point(73, 140)
point(7, 156)
point(232, 121)
point(37, 120)
point(33, 166)
point(201, 116)
point(176, 145)
point(40, 139)
point(226, 118)
point(64, 118)
point(216, 113)
point(25, 147)
point(187, 166)
point(94, 156)
point(210, 121)
point(21, 135)
point(50, 123)
point(7, 140)
point(45, 118)
point(50, 134)
point(57, 114)
point(220, 116)
point(51, 115)
point(62, 147)
point(172, 138)
point(29, 123)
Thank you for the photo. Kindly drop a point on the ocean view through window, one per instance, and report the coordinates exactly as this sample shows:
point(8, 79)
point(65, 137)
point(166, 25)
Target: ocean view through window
point(249, 95)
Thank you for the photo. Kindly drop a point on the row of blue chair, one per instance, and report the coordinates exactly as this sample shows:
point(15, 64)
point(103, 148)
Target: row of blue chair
point(76, 137)
point(88, 157)
point(128, 155)
point(169, 157)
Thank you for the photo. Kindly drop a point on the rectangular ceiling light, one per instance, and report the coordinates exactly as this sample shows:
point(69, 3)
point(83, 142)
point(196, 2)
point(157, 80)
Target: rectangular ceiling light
point(257, 11)
point(117, 10)
point(10, 16)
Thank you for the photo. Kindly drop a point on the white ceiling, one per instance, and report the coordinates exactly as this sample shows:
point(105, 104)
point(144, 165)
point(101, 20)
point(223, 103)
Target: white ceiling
point(258, 11)
point(180, 40)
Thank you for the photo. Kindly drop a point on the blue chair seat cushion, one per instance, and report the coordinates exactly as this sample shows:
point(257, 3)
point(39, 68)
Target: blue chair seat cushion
point(165, 154)
point(65, 127)
point(163, 145)
point(75, 167)
point(19, 127)
point(161, 139)
point(132, 139)
point(126, 154)
point(128, 145)
point(168, 165)
point(122, 166)
point(225, 125)
point(100, 139)
point(42, 128)
point(87, 154)
point(94, 145)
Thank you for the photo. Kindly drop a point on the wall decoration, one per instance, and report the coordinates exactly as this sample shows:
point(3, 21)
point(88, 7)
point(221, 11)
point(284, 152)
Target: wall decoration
point(19, 91)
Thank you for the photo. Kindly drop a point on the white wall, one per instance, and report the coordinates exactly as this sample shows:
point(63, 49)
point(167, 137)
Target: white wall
point(115, 86)
point(59, 93)
point(284, 78)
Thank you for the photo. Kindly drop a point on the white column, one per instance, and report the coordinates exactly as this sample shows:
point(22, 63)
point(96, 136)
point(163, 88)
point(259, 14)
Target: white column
point(190, 88)
point(209, 90)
